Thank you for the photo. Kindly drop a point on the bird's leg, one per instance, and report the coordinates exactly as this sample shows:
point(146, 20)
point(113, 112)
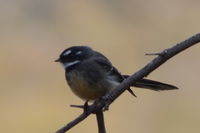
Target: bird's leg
point(85, 106)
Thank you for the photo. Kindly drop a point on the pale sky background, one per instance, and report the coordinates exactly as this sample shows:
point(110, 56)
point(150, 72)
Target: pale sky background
point(34, 96)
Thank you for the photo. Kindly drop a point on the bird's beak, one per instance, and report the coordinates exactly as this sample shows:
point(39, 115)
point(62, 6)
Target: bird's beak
point(58, 60)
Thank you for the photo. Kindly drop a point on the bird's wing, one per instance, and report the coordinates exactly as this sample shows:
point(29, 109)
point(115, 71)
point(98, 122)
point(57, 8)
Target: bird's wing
point(107, 66)
point(111, 70)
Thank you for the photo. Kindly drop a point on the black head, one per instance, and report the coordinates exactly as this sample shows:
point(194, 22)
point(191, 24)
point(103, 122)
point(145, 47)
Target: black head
point(74, 55)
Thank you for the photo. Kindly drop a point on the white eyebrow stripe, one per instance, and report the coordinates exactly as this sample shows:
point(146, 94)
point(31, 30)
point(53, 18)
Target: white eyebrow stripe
point(67, 52)
point(69, 64)
point(79, 52)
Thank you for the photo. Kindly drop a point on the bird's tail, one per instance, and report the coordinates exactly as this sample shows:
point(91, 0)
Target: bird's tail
point(152, 85)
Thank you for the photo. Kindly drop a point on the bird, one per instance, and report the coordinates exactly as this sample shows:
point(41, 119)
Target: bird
point(91, 75)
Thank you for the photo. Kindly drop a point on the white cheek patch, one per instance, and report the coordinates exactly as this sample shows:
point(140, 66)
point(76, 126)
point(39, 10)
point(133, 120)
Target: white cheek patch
point(67, 52)
point(69, 64)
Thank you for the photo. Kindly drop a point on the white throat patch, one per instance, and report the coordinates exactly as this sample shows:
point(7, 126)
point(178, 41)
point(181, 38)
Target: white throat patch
point(69, 64)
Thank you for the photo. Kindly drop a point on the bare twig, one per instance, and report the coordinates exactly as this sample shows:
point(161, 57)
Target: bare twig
point(152, 54)
point(98, 105)
point(77, 106)
point(73, 123)
point(146, 70)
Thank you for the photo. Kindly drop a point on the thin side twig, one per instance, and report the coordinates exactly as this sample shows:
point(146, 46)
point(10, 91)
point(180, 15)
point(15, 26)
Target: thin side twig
point(145, 71)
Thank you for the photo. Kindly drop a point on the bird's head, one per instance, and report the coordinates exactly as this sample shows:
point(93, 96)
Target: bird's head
point(74, 55)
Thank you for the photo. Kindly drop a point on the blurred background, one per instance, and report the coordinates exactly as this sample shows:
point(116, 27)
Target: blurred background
point(34, 96)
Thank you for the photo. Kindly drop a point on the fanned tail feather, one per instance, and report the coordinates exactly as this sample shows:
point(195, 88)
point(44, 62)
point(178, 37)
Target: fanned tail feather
point(152, 85)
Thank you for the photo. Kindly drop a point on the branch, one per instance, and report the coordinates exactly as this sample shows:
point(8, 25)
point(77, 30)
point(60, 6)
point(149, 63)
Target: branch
point(145, 71)
point(100, 121)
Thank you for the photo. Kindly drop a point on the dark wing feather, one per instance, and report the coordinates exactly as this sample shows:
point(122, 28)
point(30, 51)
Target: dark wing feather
point(102, 61)
point(112, 71)
point(107, 66)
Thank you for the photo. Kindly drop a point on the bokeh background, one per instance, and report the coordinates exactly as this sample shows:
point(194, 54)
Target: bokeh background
point(34, 96)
